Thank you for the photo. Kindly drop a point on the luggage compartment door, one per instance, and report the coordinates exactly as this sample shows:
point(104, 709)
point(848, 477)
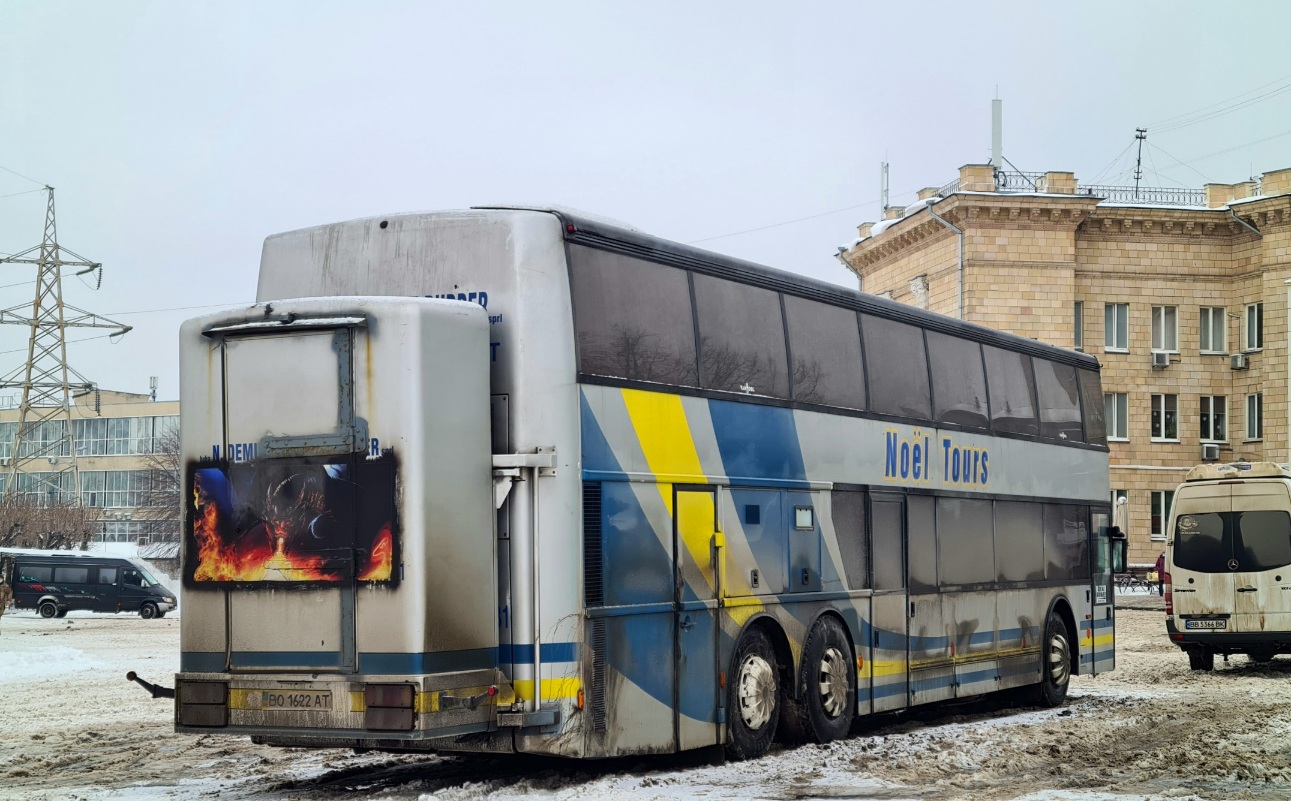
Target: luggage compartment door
point(290, 451)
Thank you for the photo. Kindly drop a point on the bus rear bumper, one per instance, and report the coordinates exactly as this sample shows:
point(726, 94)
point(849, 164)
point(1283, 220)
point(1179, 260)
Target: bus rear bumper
point(316, 709)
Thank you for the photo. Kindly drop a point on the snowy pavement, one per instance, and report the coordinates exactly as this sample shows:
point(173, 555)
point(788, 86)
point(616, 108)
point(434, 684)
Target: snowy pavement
point(71, 727)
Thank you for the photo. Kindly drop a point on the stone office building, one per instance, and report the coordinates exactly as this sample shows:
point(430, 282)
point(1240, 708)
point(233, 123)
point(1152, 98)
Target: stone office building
point(1182, 295)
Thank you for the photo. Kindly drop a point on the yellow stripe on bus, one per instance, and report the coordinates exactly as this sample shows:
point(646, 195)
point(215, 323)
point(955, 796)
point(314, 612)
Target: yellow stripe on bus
point(566, 687)
point(666, 441)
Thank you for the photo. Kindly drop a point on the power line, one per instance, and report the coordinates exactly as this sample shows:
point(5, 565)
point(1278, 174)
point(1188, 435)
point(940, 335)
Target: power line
point(181, 308)
point(24, 192)
point(41, 184)
point(791, 222)
point(1180, 162)
point(1112, 164)
point(1221, 108)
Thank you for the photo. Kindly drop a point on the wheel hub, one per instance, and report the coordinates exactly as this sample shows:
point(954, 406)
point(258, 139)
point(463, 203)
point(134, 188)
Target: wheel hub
point(757, 690)
point(833, 682)
point(1059, 659)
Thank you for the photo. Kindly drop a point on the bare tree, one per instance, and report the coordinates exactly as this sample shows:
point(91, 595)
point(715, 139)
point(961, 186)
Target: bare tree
point(24, 523)
point(161, 503)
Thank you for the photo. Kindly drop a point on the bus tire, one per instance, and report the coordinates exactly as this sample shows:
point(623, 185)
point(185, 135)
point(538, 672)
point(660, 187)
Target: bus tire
point(827, 682)
point(1055, 663)
point(148, 611)
point(47, 610)
point(1201, 659)
point(752, 697)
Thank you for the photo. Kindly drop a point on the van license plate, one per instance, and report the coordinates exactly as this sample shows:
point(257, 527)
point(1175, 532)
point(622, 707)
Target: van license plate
point(315, 699)
point(1205, 624)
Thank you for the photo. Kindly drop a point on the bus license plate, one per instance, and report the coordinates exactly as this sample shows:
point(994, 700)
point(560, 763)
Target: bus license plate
point(1205, 624)
point(314, 699)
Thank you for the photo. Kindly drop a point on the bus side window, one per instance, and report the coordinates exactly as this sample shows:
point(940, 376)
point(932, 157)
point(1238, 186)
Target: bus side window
point(848, 509)
point(886, 554)
point(107, 575)
point(897, 367)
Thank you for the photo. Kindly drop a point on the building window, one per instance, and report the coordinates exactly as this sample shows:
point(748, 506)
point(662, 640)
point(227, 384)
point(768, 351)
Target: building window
point(1116, 326)
point(1161, 501)
point(1255, 416)
point(1116, 406)
point(1254, 326)
point(1165, 329)
point(1078, 326)
point(1165, 417)
point(1214, 418)
point(1212, 329)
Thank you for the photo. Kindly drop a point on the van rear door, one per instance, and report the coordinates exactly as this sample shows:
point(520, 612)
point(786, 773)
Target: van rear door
point(1199, 551)
point(1262, 555)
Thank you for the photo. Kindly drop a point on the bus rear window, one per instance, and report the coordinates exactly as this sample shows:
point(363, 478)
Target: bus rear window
point(1225, 542)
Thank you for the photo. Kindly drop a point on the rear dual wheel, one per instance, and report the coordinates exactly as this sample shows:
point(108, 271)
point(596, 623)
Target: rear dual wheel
point(826, 689)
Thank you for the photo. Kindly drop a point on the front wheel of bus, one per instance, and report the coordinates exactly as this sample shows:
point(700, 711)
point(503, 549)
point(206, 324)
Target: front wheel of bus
point(1055, 668)
point(753, 697)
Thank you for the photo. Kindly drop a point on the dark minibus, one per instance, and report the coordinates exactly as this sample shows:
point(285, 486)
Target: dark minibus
point(56, 582)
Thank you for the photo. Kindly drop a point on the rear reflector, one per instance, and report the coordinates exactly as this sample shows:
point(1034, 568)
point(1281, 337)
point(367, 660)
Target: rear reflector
point(1168, 586)
point(202, 703)
point(389, 707)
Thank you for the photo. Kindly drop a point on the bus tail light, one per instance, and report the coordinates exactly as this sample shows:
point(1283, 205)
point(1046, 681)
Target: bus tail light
point(1169, 593)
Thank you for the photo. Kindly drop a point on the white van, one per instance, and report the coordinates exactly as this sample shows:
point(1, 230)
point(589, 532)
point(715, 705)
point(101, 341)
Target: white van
point(1228, 563)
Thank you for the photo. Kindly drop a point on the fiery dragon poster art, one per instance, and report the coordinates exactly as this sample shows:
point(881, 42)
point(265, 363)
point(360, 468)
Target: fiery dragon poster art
point(313, 521)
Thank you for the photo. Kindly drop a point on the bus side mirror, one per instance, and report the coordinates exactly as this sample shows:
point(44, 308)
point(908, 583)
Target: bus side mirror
point(1120, 550)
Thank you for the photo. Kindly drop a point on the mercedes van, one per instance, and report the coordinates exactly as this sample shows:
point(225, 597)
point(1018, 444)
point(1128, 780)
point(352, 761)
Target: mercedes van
point(1228, 563)
point(54, 583)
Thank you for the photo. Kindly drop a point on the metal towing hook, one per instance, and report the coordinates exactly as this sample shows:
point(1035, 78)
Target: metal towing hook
point(156, 690)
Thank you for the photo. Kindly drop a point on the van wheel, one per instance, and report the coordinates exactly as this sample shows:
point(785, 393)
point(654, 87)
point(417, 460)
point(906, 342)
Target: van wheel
point(62, 613)
point(47, 610)
point(1201, 659)
point(752, 697)
point(1055, 663)
point(148, 611)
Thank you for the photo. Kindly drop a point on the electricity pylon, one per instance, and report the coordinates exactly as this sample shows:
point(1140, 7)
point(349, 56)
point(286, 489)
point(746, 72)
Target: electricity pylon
point(47, 381)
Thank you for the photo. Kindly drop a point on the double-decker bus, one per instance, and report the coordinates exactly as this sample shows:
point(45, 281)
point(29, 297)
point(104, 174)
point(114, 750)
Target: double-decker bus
point(520, 480)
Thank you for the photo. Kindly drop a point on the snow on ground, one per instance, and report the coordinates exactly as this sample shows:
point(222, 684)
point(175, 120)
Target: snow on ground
point(71, 727)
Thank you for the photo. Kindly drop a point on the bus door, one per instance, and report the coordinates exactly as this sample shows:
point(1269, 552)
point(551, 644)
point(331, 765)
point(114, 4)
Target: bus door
point(291, 438)
point(1103, 615)
point(887, 657)
point(696, 691)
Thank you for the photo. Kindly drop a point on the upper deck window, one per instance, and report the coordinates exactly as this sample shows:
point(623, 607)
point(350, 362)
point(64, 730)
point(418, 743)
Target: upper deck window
point(741, 338)
point(632, 318)
point(826, 346)
point(898, 367)
point(958, 380)
point(1058, 395)
point(1013, 406)
point(1091, 401)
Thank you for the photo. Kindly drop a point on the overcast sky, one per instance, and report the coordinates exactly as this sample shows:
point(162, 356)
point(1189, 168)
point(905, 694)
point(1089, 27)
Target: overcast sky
point(179, 135)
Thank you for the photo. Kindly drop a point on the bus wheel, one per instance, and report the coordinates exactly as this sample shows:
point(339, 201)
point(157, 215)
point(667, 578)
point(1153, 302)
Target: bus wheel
point(1201, 659)
point(48, 609)
point(148, 611)
point(828, 681)
point(1055, 668)
point(753, 697)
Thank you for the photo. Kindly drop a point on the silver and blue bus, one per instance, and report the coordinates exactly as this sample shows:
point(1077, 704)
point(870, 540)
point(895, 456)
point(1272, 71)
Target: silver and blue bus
point(522, 480)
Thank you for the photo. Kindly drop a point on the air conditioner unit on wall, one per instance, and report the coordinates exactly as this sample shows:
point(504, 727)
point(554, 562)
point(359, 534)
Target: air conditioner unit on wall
point(1209, 452)
point(1240, 361)
point(1160, 359)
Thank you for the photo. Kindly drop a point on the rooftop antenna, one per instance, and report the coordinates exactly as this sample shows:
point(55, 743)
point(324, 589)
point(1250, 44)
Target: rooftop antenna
point(152, 386)
point(883, 186)
point(997, 131)
point(48, 383)
point(1140, 134)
